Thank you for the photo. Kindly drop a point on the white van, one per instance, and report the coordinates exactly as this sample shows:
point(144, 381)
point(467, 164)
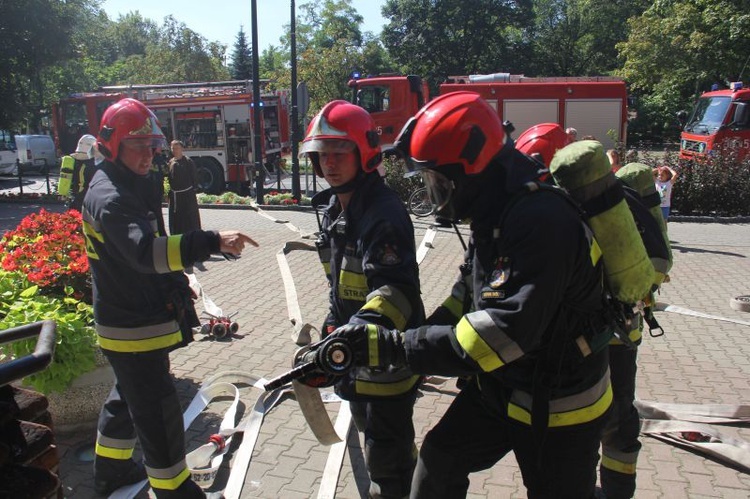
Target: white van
point(8, 158)
point(36, 152)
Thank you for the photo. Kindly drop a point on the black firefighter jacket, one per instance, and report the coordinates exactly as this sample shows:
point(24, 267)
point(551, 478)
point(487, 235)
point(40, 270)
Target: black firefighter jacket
point(369, 256)
point(522, 316)
point(141, 296)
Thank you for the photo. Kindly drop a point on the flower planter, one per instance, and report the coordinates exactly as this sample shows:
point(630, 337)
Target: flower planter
point(77, 407)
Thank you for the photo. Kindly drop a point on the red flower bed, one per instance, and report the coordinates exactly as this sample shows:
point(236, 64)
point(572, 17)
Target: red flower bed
point(49, 249)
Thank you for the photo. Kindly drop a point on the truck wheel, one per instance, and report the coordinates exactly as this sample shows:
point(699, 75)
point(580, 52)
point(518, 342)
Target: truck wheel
point(210, 175)
point(741, 303)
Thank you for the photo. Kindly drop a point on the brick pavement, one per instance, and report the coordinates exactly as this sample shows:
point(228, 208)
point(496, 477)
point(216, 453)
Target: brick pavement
point(697, 360)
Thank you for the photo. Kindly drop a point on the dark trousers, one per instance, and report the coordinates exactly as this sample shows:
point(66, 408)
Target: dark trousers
point(471, 438)
point(144, 403)
point(620, 444)
point(390, 453)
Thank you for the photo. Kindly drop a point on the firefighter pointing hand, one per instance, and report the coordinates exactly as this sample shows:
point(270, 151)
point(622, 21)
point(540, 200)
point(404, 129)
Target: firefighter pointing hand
point(142, 304)
point(528, 301)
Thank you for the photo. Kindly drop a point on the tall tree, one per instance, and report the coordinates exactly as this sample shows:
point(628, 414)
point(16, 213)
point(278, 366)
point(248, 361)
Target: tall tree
point(181, 55)
point(241, 67)
point(678, 48)
point(452, 37)
point(330, 46)
point(34, 35)
point(582, 32)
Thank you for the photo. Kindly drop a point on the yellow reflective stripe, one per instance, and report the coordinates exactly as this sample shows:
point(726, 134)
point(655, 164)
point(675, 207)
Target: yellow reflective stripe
point(143, 345)
point(327, 268)
point(384, 307)
point(352, 286)
point(169, 483)
point(595, 252)
point(384, 389)
point(174, 257)
point(112, 452)
point(373, 348)
point(476, 347)
point(89, 230)
point(454, 306)
point(567, 418)
point(618, 466)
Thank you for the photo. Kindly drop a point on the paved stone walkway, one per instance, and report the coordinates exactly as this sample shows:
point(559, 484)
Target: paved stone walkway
point(697, 360)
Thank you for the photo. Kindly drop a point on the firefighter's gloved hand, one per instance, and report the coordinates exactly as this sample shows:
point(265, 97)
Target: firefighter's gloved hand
point(316, 378)
point(373, 346)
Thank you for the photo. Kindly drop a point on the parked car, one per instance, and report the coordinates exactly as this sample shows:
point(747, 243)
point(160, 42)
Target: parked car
point(36, 152)
point(8, 158)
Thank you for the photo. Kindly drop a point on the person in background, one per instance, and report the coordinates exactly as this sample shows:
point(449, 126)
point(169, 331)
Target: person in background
point(183, 203)
point(572, 134)
point(665, 177)
point(86, 158)
point(143, 306)
point(367, 249)
point(614, 159)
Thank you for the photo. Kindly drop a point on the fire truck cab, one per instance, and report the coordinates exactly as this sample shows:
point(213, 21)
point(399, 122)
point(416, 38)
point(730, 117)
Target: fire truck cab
point(719, 120)
point(214, 120)
point(596, 106)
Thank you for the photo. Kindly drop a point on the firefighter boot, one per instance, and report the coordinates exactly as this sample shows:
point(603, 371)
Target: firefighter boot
point(128, 473)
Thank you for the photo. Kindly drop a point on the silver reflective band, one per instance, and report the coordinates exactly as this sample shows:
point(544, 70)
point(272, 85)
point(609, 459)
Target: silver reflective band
point(331, 146)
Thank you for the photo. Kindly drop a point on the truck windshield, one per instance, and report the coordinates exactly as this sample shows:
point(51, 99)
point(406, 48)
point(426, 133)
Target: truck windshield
point(708, 115)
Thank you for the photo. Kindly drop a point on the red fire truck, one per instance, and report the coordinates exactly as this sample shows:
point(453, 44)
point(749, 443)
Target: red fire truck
point(595, 106)
point(720, 120)
point(213, 119)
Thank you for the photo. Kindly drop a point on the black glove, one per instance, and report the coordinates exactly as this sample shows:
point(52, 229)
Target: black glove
point(373, 346)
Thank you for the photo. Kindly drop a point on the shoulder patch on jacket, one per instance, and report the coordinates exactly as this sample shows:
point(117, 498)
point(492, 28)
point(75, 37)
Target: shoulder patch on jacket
point(388, 255)
point(501, 274)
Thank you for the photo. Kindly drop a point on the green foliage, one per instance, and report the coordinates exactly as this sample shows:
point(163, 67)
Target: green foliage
point(716, 186)
point(272, 198)
point(452, 37)
point(23, 304)
point(330, 45)
point(34, 35)
point(395, 168)
point(242, 58)
point(679, 48)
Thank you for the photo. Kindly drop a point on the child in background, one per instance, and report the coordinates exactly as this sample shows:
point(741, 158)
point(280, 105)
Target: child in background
point(664, 179)
point(614, 159)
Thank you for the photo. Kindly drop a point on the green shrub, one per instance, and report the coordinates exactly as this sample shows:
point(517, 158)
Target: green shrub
point(719, 185)
point(23, 303)
point(395, 168)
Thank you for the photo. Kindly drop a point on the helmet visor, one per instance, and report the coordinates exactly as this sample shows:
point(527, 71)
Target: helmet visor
point(141, 143)
point(330, 146)
point(439, 187)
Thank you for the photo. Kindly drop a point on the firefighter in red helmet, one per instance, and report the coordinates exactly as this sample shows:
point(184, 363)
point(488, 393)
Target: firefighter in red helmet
point(542, 141)
point(519, 319)
point(367, 248)
point(142, 305)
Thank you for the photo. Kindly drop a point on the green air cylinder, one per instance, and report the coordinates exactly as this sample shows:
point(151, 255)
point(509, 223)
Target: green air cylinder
point(66, 175)
point(582, 169)
point(640, 178)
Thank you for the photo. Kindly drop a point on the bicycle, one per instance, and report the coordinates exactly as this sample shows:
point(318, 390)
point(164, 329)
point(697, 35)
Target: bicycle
point(419, 203)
